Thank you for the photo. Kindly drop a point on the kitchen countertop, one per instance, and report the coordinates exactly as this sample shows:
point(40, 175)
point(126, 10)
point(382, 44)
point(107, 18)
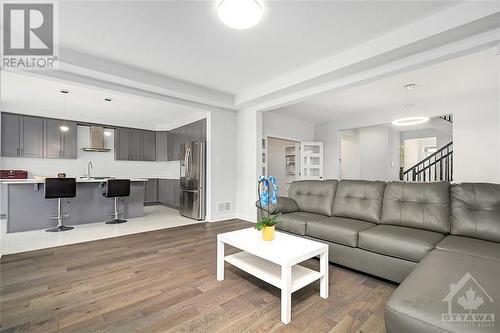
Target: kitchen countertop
point(41, 181)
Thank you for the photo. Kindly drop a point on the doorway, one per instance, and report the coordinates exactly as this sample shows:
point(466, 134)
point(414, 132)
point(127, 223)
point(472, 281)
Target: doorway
point(415, 150)
point(283, 158)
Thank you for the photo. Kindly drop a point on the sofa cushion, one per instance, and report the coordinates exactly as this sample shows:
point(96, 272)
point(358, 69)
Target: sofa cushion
point(283, 205)
point(359, 199)
point(295, 222)
point(420, 303)
point(400, 242)
point(475, 211)
point(338, 230)
point(470, 246)
point(417, 205)
point(314, 196)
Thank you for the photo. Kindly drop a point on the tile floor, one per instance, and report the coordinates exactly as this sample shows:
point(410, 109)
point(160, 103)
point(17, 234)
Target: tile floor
point(155, 218)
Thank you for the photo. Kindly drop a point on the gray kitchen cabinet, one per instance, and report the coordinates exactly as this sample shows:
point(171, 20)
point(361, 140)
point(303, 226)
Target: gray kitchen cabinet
point(58, 144)
point(51, 138)
point(192, 132)
point(162, 146)
point(151, 191)
point(136, 145)
point(122, 144)
point(174, 145)
point(175, 189)
point(11, 139)
point(31, 130)
point(162, 191)
point(22, 136)
point(203, 130)
point(183, 135)
point(148, 146)
point(169, 192)
point(69, 146)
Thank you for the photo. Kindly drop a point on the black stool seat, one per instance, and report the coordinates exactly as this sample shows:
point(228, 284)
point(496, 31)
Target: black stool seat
point(116, 188)
point(59, 188)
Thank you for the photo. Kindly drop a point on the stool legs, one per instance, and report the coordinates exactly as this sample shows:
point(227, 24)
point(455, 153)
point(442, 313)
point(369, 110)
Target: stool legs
point(116, 220)
point(60, 226)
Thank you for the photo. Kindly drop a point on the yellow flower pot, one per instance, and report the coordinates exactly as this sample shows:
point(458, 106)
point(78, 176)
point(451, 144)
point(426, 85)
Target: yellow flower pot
point(268, 233)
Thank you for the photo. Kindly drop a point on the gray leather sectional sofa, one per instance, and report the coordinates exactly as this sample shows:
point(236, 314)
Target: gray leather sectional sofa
point(439, 241)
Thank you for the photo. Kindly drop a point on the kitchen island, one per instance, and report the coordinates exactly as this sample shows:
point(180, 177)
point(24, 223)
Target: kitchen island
point(27, 208)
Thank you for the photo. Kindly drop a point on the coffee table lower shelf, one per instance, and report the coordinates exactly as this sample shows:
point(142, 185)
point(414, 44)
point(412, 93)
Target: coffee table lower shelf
point(271, 272)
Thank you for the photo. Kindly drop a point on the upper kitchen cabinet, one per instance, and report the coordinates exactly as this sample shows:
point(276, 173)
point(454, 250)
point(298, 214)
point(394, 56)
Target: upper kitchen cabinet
point(199, 130)
point(135, 145)
point(31, 130)
point(148, 146)
point(22, 136)
point(59, 144)
point(69, 147)
point(174, 145)
point(122, 144)
point(11, 138)
point(192, 132)
point(162, 146)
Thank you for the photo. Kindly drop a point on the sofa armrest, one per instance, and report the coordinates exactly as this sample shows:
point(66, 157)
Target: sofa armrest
point(284, 205)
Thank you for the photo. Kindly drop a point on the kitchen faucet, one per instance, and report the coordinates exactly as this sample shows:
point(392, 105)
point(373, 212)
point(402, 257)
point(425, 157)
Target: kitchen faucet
point(89, 166)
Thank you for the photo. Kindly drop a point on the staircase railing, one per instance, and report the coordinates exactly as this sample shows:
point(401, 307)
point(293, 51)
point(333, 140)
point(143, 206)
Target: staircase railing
point(436, 167)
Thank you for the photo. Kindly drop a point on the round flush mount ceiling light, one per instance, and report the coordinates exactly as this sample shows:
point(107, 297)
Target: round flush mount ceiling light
point(410, 121)
point(240, 14)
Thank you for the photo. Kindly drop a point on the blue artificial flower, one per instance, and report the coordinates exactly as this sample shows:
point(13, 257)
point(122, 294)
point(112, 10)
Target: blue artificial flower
point(274, 197)
point(264, 198)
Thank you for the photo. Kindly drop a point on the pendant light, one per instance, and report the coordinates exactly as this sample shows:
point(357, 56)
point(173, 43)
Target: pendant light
point(240, 14)
point(413, 120)
point(107, 132)
point(63, 127)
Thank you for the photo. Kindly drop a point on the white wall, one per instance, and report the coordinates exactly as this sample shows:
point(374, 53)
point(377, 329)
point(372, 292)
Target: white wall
point(248, 161)
point(476, 131)
point(221, 163)
point(349, 150)
point(414, 150)
point(370, 153)
point(283, 127)
point(442, 139)
point(104, 163)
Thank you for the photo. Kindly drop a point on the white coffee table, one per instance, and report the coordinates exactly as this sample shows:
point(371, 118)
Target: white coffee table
point(275, 262)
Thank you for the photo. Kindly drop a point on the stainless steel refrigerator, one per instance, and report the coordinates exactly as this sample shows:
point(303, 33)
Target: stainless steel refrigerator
point(193, 166)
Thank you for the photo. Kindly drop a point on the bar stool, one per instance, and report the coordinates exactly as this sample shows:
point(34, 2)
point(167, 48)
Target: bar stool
point(59, 188)
point(117, 188)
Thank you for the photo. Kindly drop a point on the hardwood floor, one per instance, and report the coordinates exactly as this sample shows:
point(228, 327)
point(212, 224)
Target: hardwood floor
point(164, 281)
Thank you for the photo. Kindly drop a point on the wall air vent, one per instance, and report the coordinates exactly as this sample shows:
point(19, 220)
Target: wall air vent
point(223, 206)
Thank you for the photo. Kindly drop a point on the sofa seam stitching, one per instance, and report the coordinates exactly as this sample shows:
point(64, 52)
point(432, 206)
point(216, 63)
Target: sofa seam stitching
point(416, 319)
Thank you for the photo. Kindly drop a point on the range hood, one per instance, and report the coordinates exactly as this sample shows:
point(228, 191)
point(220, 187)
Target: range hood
point(96, 140)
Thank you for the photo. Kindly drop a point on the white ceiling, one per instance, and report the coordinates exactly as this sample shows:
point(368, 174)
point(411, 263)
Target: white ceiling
point(179, 53)
point(39, 96)
point(186, 40)
point(470, 76)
